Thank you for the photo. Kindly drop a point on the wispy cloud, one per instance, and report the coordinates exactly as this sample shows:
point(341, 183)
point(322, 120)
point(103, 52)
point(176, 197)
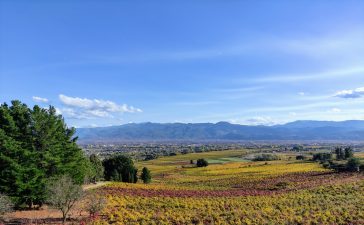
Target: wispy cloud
point(255, 121)
point(237, 93)
point(356, 93)
point(334, 110)
point(40, 99)
point(329, 45)
point(197, 103)
point(343, 72)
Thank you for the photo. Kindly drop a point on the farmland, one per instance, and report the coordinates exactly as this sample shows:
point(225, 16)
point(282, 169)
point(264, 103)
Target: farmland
point(234, 190)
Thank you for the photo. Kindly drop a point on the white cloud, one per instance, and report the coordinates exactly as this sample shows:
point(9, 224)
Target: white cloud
point(98, 113)
point(328, 47)
point(89, 108)
point(40, 99)
point(73, 114)
point(335, 110)
point(255, 121)
point(58, 111)
point(96, 104)
point(356, 93)
point(301, 93)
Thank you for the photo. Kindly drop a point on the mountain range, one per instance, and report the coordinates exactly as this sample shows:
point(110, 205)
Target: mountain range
point(305, 130)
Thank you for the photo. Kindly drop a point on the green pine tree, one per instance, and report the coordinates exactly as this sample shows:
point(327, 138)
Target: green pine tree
point(97, 170)
point(36, 144)
point(146, 176)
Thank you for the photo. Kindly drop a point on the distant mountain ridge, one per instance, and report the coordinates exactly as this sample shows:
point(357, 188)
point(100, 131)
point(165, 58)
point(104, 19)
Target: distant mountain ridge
point(224, 131)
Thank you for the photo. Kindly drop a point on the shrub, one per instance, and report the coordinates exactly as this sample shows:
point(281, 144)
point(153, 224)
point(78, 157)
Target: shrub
point(94, 204)
point(342, 154)
point(322, 157)
point(297, 148)
point(337, 166)
point(348, 152)
point(326, 165)
point(202, 163)
point(300, 157)
point(266, 157)
point(185, 151)
point(361, 167)
point(353, 165)
point(150, 157)
point(5, 205)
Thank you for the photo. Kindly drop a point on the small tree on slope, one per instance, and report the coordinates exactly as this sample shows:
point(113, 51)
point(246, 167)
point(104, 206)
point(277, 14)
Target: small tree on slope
point(146, 176)
point(62, 194)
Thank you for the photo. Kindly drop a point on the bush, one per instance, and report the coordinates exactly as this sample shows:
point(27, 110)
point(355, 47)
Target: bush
point(94, 204)
point(202, 163)
point(266, 157)
point(5, 205)
point(322, 157)
point(300, 157)
point(326, 165)
point(297, 148)
point(361, 167)
point(185, 151)
point(339, 167)
point(342, 154)
point(353, 165)
point(150, 156)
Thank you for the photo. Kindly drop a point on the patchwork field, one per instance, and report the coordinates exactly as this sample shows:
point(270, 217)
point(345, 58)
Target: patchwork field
point(233, 190)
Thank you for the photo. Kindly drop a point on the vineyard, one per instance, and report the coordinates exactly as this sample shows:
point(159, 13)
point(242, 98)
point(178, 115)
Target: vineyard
point(233, 190)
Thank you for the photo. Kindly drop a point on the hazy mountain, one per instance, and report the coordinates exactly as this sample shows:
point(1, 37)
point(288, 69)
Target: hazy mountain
point(298, 130)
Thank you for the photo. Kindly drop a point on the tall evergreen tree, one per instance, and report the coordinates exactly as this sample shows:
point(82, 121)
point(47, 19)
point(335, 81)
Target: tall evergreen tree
point(339, 153)
point(348, 152)
point(97, 170)
point(35, 144)
point(146, 176)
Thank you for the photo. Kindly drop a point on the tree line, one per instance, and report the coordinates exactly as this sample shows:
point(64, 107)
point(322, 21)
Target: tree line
point(344, 160)
point(36, 146)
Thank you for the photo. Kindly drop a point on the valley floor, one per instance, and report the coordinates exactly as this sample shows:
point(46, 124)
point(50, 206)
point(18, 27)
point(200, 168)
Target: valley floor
point(231, 190)
point(236, 191)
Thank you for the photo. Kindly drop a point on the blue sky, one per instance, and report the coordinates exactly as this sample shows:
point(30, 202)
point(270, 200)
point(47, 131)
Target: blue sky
point(249, 62)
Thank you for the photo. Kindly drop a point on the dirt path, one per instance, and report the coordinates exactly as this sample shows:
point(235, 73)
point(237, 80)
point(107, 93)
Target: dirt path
point(93, 186)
